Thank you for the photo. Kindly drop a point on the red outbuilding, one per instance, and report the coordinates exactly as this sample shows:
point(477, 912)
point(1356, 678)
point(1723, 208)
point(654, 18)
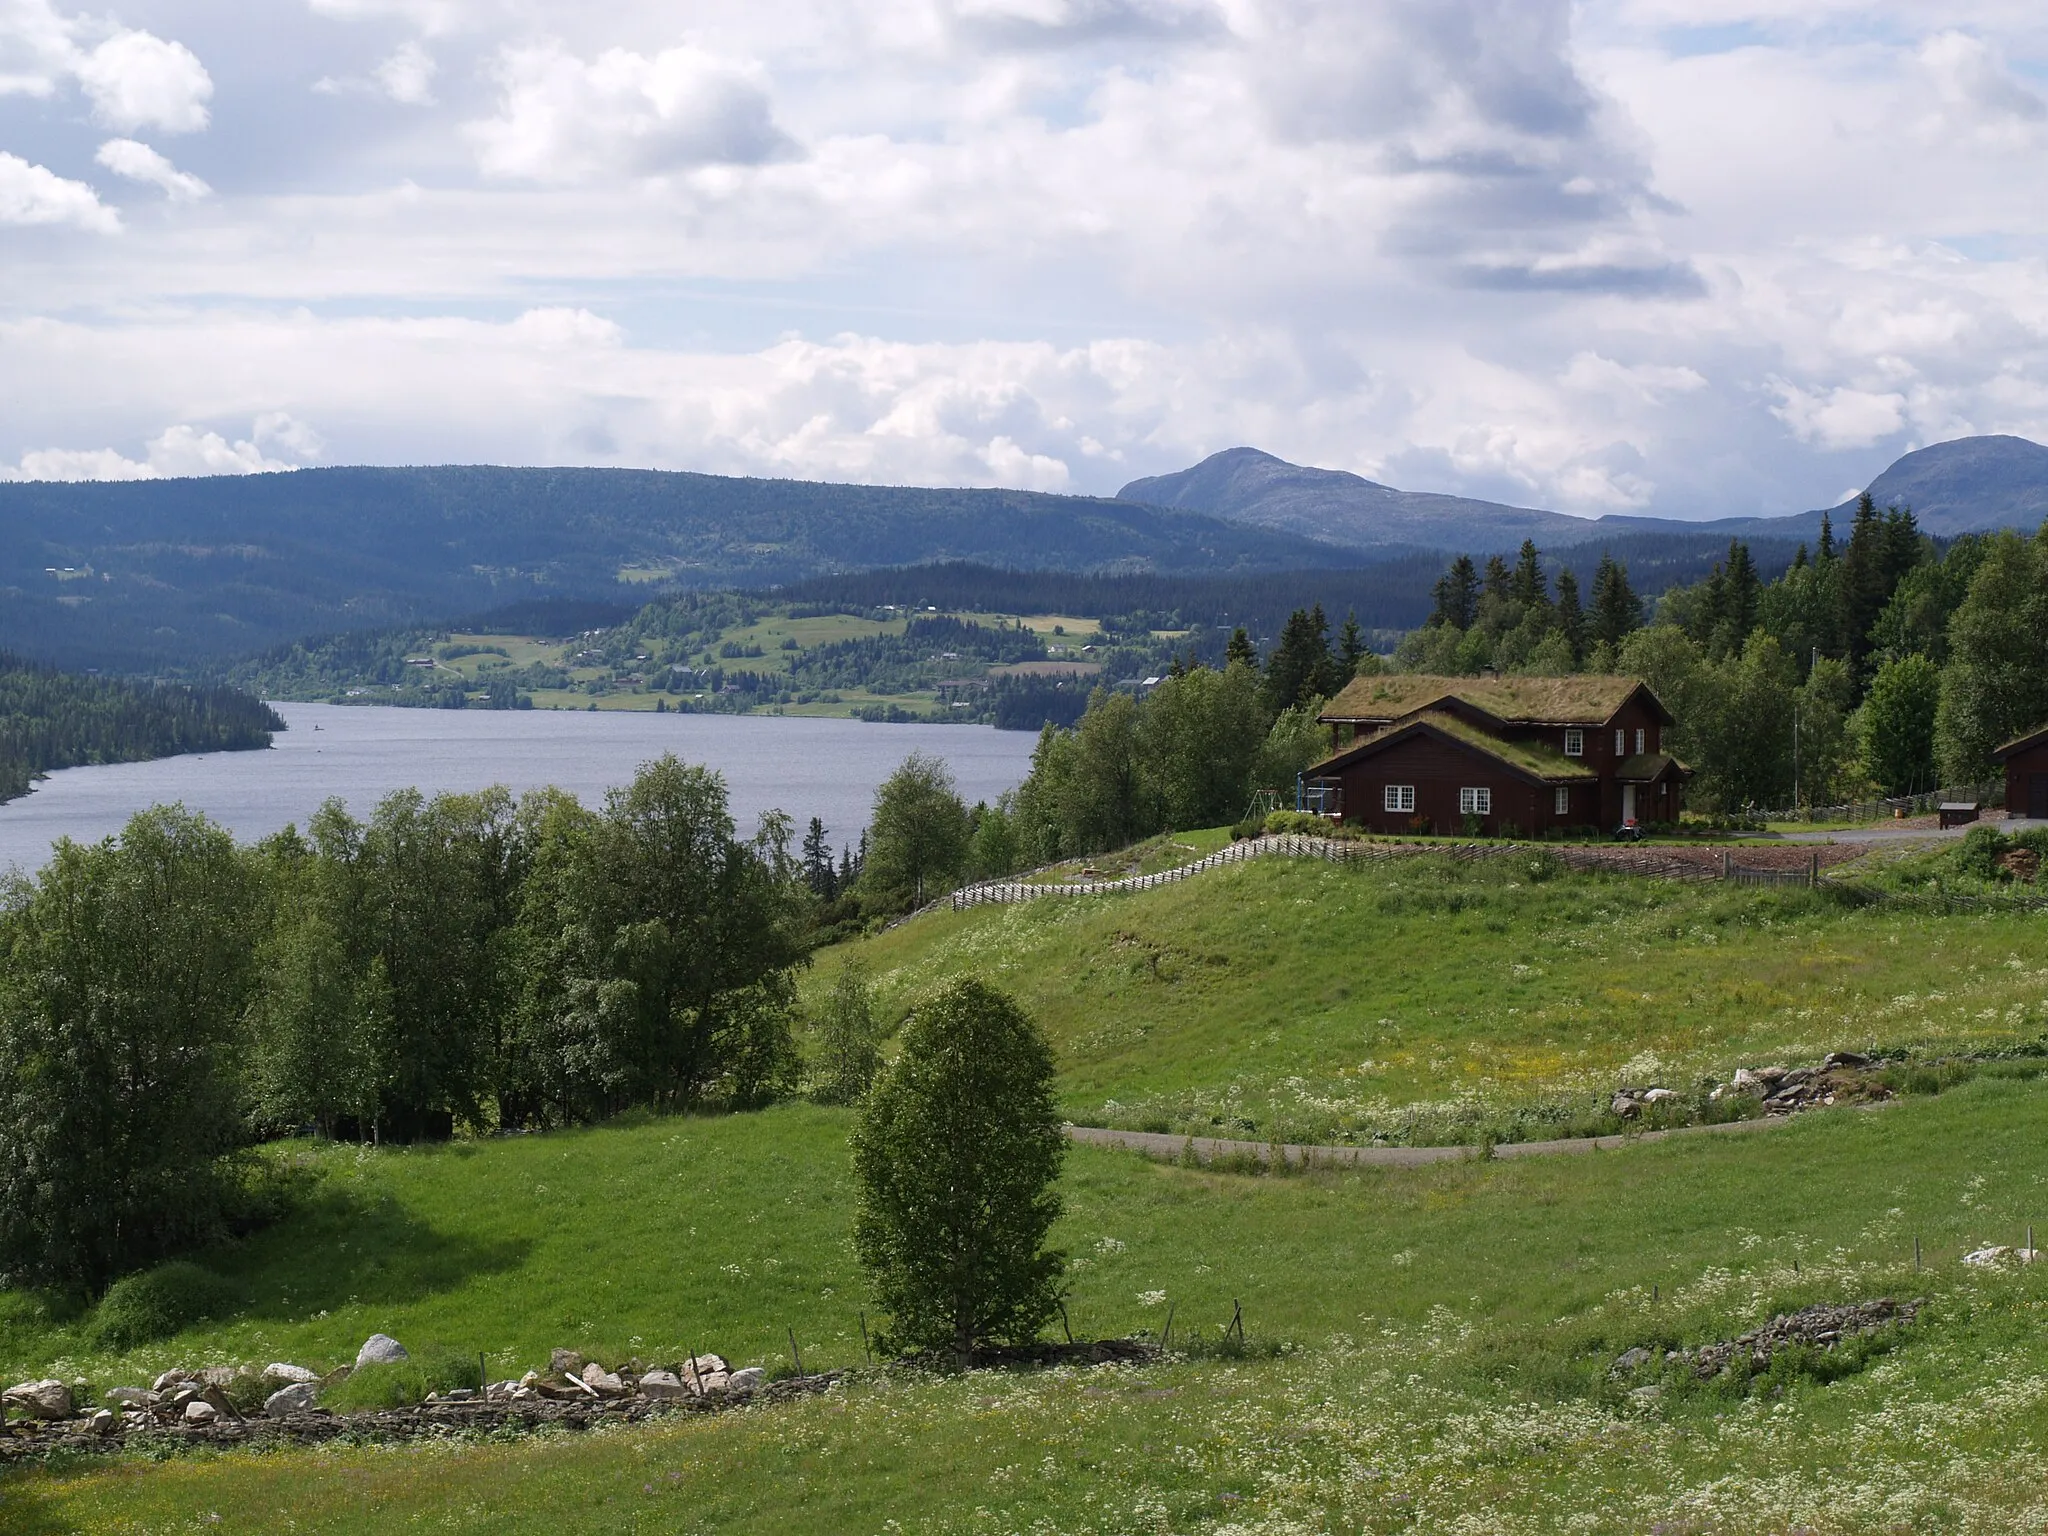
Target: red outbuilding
point(2026, 774)
point(1497, 756)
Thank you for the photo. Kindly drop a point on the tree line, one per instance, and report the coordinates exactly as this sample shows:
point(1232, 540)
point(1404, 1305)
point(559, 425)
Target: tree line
point(51, 719)
point(167, 998)
point(1885, 663)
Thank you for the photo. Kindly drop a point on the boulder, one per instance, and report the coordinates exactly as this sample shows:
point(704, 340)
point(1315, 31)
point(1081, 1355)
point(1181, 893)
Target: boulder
point(130, 1397)
point(1660, 1096)
point(168, 1380)
point(296, 1398)
point(217, 1376)
point(1836, 1059)
point(1634, 1360)
point(1984, 1258)
point(200, 1411)
point(218, 1398)
point(1626, 1107)
point(752, 1379)
point(566, 1362)
point(106, 1422)
point(698, 1370)
point(380, 1349)
point(49, 1399)
point(279, 1371)
point(601, 1381)
point(662, 1385)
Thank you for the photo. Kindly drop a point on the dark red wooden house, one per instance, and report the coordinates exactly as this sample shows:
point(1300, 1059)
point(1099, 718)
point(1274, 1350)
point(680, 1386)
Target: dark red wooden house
point(2026, 774)
point(1499, 755)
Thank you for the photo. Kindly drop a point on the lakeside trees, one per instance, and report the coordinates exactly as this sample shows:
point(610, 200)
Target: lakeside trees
point(166, 997)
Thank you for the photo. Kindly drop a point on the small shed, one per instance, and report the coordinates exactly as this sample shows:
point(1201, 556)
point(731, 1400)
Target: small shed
point(2026, 774)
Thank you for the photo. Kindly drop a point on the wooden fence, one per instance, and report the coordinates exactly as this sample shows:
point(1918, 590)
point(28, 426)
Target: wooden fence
point(1612, 860)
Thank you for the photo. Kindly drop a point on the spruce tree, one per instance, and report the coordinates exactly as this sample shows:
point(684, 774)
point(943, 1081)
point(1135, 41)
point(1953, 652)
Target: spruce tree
point(1499, 581)
point(1457, 595)
point(1617, 611)
point(1527, 586)
point(819, 874)
point(1240, 649)
point(1571, 619)
point(1350, 647)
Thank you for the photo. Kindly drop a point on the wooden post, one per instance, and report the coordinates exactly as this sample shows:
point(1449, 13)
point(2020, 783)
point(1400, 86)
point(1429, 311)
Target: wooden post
point(483, 1377)
point(799, 1359)
point(1813, 870)
point(1916, 1255)
point(1167, 1341)
point(1727, 860)
point(1066, 1327)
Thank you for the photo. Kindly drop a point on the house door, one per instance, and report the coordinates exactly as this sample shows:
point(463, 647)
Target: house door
point(2037, 796)
point(1628, 803)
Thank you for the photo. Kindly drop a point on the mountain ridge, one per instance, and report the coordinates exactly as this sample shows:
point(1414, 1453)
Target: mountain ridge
point(1964, 485)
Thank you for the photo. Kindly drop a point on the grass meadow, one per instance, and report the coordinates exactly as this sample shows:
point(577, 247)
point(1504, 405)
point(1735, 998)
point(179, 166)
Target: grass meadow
point(1429, 1349)
point(1423, 1000)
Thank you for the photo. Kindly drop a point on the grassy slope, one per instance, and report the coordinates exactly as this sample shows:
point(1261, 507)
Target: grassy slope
point(1451, 1328)
point(1292, 999)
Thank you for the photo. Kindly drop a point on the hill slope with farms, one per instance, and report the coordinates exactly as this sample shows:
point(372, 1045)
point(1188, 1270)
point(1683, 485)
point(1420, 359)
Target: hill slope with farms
point(1819, 1326)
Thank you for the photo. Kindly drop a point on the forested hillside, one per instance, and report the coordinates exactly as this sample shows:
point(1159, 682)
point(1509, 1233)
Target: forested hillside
point(132, 577)
point(51, 719)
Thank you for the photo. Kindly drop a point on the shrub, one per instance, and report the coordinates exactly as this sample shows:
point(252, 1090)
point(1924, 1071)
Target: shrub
point(1302, 823)
point(158, 1303)
point(956, 1159)
point(401, 1383)
point(1977, 854)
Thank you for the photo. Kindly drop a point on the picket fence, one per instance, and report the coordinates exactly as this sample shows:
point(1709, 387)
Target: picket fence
point(1611, 860)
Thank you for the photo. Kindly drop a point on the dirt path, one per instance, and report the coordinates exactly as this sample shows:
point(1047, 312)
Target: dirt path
point(1208, 1148)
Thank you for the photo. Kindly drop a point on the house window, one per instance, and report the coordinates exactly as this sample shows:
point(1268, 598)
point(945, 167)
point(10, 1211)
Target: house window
point(1563, 803)
point(1399, 797)
point(1620, 742)
point(1639, 741)
point(1475, 802)
point(1574, 743)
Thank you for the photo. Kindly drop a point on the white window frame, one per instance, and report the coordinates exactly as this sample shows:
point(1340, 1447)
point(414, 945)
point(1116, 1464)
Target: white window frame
point(1574, 742)
point(1475, 801)
point(1620, 742)
point(1399, 797)
point(1642, 740)
point(1562, 804)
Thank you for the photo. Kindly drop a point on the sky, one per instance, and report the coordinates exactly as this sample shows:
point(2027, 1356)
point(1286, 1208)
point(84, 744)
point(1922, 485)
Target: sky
point(1692, 258)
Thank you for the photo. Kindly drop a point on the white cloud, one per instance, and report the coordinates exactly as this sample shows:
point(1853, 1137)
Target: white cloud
point(138, 80)
point(138, 162)
point(177, 452)
point(1840, 417)
point(565, 119)
point(34, 194)
point(408, 75)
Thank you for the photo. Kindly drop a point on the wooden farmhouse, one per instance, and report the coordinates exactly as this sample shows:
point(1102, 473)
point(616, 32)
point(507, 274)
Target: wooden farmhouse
point(1498, 756)
point(2026, 774)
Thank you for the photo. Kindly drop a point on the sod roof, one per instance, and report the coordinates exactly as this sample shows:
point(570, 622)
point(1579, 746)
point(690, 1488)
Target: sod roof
point(1587, 700)
point(1524, 757)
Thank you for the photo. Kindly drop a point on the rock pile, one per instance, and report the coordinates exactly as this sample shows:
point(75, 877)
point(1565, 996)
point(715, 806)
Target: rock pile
point(1822, 1326)
point(219, 1404)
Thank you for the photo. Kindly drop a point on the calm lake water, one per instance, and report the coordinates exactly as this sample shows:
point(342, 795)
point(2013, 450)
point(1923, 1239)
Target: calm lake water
point(827, 768)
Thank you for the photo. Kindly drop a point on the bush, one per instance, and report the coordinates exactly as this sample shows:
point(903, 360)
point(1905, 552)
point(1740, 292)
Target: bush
point(1977, 854)
point(956, 1159)
point(1301, 823)
point(402, 1383)
point(158, 1303)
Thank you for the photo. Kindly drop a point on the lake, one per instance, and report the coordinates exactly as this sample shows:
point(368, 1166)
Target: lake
point(807, 767)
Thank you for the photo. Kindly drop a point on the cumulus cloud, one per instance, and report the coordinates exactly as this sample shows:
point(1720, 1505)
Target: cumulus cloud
point(564, 119)
point(34, 194)
point(178, 452)
point(1978, 93)
point(138, 80)
point(138, 162)
point(405, 76)
point(1841, 417)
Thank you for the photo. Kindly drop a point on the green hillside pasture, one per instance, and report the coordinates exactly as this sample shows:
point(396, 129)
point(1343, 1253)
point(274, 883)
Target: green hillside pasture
point(1432, 1001)
point(1430, 1347)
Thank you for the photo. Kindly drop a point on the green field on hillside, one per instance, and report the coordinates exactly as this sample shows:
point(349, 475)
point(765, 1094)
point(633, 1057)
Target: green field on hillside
point(1428, 1000)
point(1431, 1348)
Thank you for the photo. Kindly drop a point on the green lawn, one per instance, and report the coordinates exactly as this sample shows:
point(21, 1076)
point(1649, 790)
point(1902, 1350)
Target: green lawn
point(1430, 1346)
point(1432, 1001)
